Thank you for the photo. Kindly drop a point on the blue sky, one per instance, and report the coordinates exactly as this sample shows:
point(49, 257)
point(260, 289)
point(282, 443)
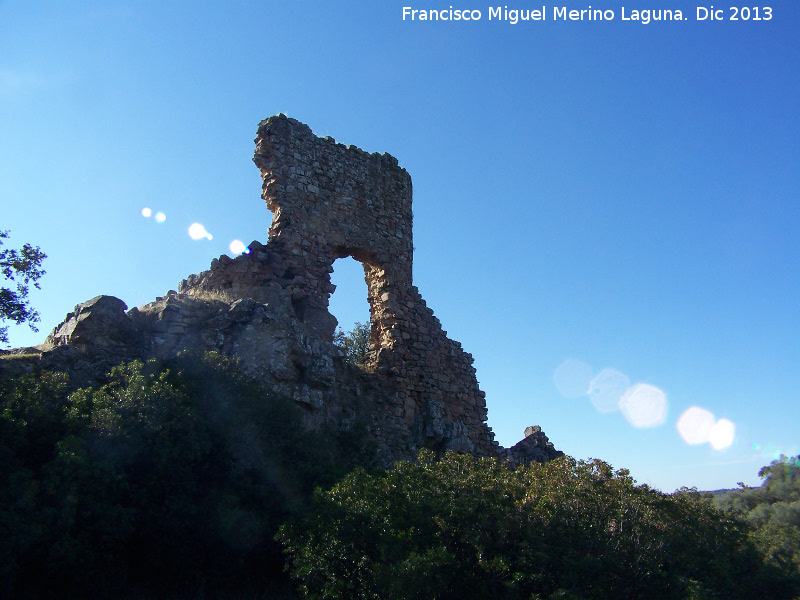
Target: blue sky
point(618, 195)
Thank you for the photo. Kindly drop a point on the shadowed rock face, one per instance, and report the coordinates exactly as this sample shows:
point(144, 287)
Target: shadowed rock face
point(269, 308)
point(99, 323)
point(535, 446)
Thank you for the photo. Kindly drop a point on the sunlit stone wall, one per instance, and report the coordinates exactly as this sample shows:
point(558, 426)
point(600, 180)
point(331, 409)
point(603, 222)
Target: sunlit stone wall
point(330, 201)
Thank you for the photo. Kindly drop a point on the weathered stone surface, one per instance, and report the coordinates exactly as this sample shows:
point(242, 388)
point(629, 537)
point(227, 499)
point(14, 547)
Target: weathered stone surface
point(330, 201)
point(269, 308)
point(100, 322)
point(533, 447)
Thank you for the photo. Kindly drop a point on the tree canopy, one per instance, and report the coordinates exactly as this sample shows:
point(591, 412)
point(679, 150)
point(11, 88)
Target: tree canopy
point(773, 513)
point(174, 478)
point(462, 528)
point(23, 268)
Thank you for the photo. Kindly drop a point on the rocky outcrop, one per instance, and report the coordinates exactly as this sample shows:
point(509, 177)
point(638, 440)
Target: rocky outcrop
point(99, 325)
point(533, 447)
point(268, 308)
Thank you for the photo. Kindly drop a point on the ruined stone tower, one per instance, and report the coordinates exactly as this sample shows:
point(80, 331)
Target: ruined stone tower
point(269, 309)
point(330, 201)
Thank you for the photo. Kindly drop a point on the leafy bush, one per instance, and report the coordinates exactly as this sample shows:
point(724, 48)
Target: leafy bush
point(170, 476)
point(31, 423)
point(173, 478)
point(773, 513)
point(467, 528)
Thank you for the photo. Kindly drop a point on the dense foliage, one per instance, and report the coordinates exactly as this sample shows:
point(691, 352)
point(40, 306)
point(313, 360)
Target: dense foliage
point(168, 477)
point(773, 513)
point(173, 478)
point(461, 528)
point(23, 267)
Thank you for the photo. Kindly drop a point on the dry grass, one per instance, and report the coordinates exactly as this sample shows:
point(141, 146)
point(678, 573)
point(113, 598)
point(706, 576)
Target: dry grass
point(20, 356)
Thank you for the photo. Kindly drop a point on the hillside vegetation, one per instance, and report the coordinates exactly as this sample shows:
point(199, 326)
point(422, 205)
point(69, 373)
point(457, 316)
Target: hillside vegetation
point(184, 479)
point(170, 477)
point(772, 512)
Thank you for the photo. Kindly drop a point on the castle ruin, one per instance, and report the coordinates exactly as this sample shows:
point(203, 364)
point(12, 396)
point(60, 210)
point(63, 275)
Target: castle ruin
point(269, 308)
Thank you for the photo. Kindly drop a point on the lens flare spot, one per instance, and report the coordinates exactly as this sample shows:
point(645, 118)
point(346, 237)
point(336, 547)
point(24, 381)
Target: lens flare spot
point(722, 434)
point(573, 378)
point(695, 425)
point(147, 212)
point(198, 232)
point(644, 405)
point(160, 217)
point(607, 388)
point(237, 247)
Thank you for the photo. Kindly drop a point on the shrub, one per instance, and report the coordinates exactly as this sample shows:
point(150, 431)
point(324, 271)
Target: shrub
point(171, 476)
point(472, 528)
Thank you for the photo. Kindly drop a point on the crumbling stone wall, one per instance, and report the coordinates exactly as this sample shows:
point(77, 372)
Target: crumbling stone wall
point(330, 201)
point(268, 309)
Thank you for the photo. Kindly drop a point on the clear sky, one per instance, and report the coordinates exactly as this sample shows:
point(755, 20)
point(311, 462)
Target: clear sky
point(597, 204)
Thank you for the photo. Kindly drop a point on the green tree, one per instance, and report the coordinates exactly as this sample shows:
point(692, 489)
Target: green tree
point(31, 424)
point(23, 268)
point(464, 528)
point(354, 343)
point(772, 511)
point(170, 478)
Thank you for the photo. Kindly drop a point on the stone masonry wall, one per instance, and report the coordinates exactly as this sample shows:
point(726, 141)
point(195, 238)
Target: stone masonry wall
point(268, 310)
point(330, 201)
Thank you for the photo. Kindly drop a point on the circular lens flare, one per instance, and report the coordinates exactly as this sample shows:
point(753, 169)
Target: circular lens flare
point(237, 247)
point(722, 434)
point(198, 232)
point(695, 425)
point(147, 213)
point(573, 378)
point(644, 405)
point(160, 217)
point(606, 390)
